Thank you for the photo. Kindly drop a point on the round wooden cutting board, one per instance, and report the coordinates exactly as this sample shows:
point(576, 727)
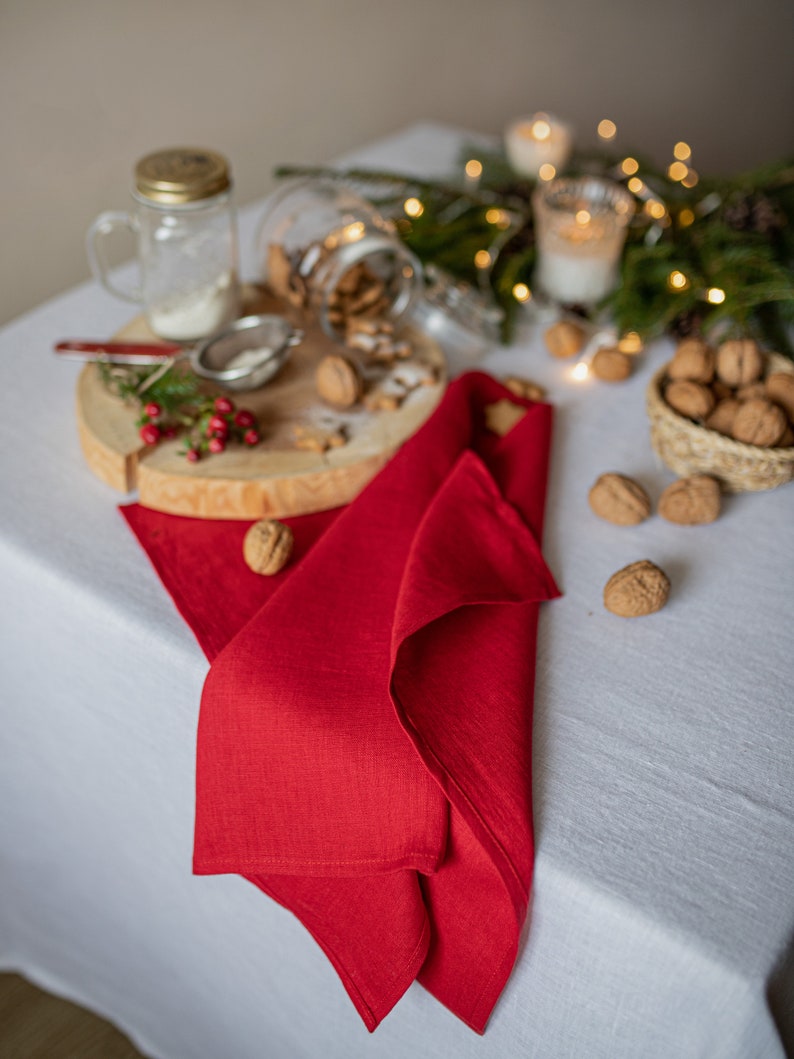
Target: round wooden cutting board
point(274, 479)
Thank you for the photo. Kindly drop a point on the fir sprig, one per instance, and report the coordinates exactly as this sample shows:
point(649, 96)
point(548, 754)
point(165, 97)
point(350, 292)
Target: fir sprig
point(731, 235)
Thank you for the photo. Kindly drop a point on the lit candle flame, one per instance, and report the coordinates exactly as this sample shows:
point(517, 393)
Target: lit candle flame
point(540, 129)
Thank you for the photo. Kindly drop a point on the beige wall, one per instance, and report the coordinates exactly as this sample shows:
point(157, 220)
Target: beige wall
point(88, 86)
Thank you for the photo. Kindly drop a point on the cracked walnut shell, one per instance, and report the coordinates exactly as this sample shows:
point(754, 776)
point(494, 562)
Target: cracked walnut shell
point(638, 589)
point(267, 546)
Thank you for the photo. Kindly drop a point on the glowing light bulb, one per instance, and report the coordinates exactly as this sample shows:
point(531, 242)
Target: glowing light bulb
point(677, 280)
point(630, 166)
point(353, 232)
point(607, 129)
point(547, 171)
point(580, 371)
point(521, 292)
point(682, 151)
point(482, 259)
point(677, 171)
point(716, 295)
point(497, 217)
point(413, 207)
point(583, 217)
point(655, 209)
point(473, 169)
point(690, 179)
point(686, 217)
point(635, 185)
point(541, 129)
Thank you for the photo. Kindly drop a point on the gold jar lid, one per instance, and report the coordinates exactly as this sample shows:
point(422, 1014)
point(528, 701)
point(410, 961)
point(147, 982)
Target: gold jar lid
point(181, 174)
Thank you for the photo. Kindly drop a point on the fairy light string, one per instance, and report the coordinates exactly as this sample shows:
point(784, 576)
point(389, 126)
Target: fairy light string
point(700, 253)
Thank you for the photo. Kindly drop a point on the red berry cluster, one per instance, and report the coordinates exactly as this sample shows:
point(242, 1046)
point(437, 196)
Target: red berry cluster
point(154, 426)
point(212, 426)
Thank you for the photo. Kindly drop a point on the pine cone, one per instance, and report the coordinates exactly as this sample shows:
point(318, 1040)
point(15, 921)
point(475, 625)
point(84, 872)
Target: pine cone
point(738, 214)
point(766, 215)
point(754, 213)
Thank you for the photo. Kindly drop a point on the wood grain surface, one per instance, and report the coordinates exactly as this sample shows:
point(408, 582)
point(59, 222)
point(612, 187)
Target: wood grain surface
point(275, 478)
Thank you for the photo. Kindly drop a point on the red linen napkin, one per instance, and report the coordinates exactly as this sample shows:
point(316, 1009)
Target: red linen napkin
point(364, 740)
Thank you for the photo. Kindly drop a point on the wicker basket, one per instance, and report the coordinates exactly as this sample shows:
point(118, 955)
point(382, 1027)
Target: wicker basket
point(687, 448)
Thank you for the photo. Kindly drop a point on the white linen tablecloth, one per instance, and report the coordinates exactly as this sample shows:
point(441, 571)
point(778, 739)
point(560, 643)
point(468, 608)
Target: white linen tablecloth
point(663, 903)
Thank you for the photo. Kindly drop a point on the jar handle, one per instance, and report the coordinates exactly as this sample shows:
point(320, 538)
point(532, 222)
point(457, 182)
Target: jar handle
point(96, 238)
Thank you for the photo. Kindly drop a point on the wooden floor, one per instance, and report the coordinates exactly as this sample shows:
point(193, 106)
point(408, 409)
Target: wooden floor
point(36, 1025)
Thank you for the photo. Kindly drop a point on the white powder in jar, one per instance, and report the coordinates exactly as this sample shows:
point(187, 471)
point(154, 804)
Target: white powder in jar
point(197, 313)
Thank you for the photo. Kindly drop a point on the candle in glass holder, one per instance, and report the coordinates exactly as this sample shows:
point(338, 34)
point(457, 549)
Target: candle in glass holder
point(580, 226)
point(536, 141)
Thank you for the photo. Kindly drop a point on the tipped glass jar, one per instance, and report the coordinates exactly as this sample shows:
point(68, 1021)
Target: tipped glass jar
point(329, 254)
point(184, 223)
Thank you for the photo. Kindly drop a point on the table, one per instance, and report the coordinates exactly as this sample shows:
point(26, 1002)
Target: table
point(663, 903)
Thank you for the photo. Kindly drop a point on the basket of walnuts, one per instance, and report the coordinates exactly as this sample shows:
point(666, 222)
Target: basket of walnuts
point(726, 411)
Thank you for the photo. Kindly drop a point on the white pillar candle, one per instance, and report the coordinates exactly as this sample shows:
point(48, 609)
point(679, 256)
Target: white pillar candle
point(536, 141)
point(580, 227)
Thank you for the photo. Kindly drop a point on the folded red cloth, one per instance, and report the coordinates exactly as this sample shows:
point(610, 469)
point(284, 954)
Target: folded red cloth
point(364, 744)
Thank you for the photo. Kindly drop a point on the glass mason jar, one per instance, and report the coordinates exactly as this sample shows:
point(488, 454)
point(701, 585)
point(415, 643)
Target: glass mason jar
point(328, 252)
point(184, 223)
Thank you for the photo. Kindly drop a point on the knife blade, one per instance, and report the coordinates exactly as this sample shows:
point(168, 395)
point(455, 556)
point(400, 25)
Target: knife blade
point(119, 352)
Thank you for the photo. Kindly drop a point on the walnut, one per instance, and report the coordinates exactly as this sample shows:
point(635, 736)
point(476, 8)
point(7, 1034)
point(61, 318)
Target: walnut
point(691, 501)
point(721, 419)
point(619, 499)
point(739, 361)
point(611, 365)
point(691, 399)
point(780, 390)
point(638, 589)
point(693, 359)
point(267, 546)
point(759, 422)
point(338, 380)
point(565, 339)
